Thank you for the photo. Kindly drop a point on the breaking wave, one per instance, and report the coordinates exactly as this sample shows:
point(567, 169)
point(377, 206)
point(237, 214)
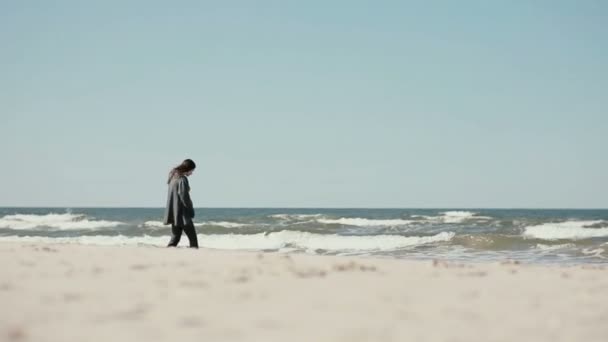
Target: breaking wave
point(66, 221)
point(569, 230)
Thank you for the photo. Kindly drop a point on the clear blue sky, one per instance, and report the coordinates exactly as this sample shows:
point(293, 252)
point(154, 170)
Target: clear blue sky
point(305, 103)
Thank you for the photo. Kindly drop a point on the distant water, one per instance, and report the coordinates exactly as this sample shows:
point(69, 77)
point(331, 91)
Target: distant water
point(546, 236)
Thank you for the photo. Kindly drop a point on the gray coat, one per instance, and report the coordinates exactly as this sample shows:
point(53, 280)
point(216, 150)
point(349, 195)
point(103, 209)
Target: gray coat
point(179, 211)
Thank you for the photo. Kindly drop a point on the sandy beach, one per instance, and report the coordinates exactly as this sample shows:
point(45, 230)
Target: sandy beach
point(63, 292)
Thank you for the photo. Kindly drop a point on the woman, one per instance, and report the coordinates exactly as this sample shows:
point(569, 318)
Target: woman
point(180, 212)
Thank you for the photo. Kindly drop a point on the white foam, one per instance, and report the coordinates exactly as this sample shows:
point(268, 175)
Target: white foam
point(361, 243)
point(554, 247)
point(159, 224)
point(597, 252)
point(224, 224)
point(311, 241)
point(66, 221)
point(277, 240)
point(154, 224)
point(571, 230)
point(461, 216)
point(457, 216)
point(363, 222)
point(295, 216)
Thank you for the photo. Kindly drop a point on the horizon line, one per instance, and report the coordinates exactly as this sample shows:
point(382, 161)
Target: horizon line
point(306, 207)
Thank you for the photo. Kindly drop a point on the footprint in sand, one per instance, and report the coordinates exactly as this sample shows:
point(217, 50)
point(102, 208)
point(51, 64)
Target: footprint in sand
point(97, 270)
point(308, 273)
point(445, 264)
point(243, 278)
point(474, 274)
point(16, 334)
point(139, 267)
point(510, 262)
point(47, 249)
point(191, 321)
point(353, 266)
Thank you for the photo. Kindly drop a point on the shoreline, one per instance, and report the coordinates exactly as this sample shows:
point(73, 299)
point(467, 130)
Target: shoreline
point(69, 292)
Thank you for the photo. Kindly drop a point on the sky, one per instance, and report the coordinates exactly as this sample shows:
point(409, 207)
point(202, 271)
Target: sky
point(407, 104)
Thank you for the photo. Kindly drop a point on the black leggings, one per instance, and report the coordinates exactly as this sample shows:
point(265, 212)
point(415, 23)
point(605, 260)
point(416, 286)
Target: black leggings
point(176, 234)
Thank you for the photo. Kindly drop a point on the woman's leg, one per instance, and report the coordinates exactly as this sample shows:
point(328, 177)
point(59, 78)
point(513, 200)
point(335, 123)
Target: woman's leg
point(191, 233)
point(176, 234)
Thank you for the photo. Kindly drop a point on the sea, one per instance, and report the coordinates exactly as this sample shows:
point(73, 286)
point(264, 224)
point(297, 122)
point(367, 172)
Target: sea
point(561, 236)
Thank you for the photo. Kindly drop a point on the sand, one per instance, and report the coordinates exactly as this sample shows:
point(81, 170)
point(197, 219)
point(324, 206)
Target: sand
point(54, 292)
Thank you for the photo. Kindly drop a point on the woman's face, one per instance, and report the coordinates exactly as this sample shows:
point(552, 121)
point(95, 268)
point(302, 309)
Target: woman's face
point(189, 173)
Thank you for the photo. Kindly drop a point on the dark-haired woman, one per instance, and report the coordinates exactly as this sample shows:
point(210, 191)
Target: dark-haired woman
point(180, 212)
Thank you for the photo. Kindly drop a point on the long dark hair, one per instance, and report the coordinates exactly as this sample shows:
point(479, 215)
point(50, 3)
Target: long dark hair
point(186, 166)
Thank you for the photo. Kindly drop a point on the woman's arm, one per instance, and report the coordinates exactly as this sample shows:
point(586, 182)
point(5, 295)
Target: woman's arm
point(183, 191)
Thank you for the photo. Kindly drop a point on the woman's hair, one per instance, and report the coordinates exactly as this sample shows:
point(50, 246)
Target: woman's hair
point(186, 166)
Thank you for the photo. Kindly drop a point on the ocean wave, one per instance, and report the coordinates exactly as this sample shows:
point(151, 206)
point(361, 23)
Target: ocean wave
point(225, 224)
point(363, 222)
point(347, 221)
point(262, 241)
point(456, 216)
point(595, 252)
point(305, 240)
point(295, 216)
point(543, 247)
point(569, 230)
point(154, 224)
point(461, 216)
point(65, 221)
